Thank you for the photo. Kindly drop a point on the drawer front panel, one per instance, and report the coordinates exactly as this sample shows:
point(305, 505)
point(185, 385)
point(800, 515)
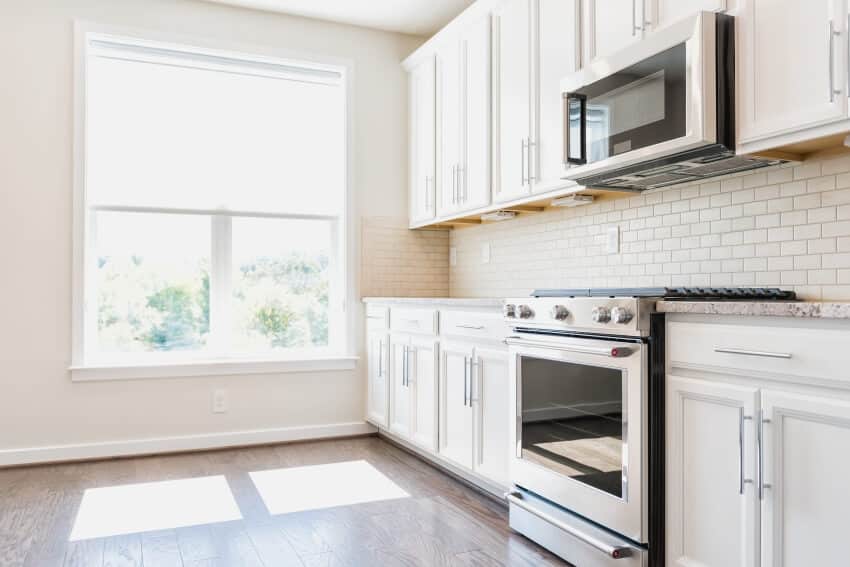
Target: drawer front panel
point(795, 351)
point(414, 320)
point(377, 317)
point(489, 326)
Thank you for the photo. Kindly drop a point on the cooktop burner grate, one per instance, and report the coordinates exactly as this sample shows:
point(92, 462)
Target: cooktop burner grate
point(676, 293)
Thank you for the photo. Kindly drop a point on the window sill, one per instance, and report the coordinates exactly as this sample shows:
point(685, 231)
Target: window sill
point(99, 373)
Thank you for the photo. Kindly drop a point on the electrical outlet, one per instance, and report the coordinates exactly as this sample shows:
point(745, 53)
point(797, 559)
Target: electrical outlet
point(485, 253)
point(219, 401)
point(614, 240)
point(453, 256)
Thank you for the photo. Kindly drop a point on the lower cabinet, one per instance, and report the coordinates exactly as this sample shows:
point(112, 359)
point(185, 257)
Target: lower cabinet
point(474, 409)
point(400, 392)
point(422, 371)
point(377, 395)
point(756, 476)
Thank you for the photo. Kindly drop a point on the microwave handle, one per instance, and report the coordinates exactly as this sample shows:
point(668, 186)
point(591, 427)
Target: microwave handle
point(568, 157)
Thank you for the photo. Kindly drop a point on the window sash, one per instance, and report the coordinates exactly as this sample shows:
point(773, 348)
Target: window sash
point(219, 345)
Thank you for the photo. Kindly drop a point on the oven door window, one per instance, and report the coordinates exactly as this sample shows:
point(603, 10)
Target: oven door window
point(640, 106)
point(574, 421)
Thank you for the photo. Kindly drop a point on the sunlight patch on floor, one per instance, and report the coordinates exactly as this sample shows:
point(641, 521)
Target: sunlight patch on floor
point(323, 486)
point(135, 508)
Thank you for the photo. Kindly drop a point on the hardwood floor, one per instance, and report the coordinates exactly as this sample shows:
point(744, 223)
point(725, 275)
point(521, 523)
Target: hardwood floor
point(441, 522)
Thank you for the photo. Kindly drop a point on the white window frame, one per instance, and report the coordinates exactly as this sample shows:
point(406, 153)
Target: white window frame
point(346, 262)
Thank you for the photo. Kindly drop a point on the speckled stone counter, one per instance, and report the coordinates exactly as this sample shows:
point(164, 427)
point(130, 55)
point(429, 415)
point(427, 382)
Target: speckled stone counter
point(802, 309)
point(436, 301)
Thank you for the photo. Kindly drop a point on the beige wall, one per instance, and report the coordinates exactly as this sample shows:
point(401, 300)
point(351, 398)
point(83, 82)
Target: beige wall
point(39, 406)
point(786, 227)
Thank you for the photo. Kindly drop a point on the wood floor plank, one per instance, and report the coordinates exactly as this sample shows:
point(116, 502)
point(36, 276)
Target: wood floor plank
point(476, 558)
point(196, 543)
point(85, 553)
point(302, 535)
point(272, 546)
point(233, 546)
point(160, 549)
point(123, 551)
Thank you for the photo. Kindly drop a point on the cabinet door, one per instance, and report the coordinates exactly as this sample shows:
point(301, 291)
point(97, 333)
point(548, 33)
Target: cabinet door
point(556, 55)
point(493, 418)
point(512, 115)
point(661, 13)
point(399, 388)
point(474, 176)
point(377, 393)
point(711, 460)
point(423, 383)
point(793, 70)
point(610, 25)
point(449, 105)
point(807, 466)
point(423, 132)
point(456, 415)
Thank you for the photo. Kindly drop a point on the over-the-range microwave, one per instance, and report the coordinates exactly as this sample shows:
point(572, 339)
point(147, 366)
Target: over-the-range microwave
point(658, 113)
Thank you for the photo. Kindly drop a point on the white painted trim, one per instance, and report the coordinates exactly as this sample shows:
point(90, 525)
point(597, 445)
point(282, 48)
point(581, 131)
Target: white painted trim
point(102, 373)
point(158, 445)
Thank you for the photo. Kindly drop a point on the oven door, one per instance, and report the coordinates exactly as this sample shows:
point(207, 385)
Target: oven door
point(580, 438)
point(654, 99)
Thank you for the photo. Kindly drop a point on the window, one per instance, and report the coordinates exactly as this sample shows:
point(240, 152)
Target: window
point(212, 205)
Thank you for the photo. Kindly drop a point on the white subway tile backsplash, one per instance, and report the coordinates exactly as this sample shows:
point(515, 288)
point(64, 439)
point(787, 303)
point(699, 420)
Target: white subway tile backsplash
point(788, 226)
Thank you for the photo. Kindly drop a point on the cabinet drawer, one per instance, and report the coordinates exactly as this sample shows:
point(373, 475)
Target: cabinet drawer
point(795, 351)
point(470, 324)
point(413, 320)
point(377, 317)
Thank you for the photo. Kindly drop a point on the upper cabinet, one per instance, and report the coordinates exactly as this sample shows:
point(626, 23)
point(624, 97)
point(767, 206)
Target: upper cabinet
point(610, 25)
point(533, 53)
point(423, 141)
point(661, 13)
point(792, 66)
point(463, 77)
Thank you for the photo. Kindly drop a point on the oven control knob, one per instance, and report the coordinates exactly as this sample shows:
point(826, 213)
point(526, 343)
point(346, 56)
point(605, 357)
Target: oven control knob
point(509, 310)
point(559, 312)
point(600, 315)
point(621, 315)
point(524, 312)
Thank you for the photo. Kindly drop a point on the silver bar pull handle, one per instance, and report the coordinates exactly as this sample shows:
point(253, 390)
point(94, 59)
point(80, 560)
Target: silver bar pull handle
point(760, 439)
point(404, 366)
point(531, 173)
point(612, 551)
point(465, 376)
point(522, 162)
point(611, 352)
point(473, 327)
point(832, 35)
point(380, 359)
point(741, 480)
point(744, 352)
point(634, 18)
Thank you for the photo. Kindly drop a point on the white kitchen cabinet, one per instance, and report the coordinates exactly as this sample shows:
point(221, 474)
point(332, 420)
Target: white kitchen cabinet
point(377, 384)
point(610, 25)
point(807, 467)
point(711, 462)
point(661, 13)
point(491, 404)
point(423, 141)
point(534, 52)
point(792, 59)
point(512, 22)
point(423, 365)
point(400, 392)
point(463, 67)
point(456, 412)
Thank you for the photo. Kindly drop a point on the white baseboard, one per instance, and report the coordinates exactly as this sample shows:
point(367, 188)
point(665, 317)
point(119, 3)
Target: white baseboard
point(134, 447)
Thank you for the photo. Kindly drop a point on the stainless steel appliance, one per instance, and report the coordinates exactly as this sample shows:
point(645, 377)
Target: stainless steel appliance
point(658, 113)
point(587, 463)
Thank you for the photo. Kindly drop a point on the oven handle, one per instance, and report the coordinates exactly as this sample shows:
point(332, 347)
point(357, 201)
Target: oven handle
point(610, 352)
point(613, 551)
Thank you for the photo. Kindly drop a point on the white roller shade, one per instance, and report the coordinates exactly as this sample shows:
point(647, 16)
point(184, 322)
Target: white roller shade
point(158, 134)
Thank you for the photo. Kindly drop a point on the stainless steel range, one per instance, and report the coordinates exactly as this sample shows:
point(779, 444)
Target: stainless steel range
point(587, 375)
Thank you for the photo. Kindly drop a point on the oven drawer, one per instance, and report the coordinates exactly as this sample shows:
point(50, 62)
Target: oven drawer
point(569, 536)
point(794, 351)
point(413, 320)
point(476, 325)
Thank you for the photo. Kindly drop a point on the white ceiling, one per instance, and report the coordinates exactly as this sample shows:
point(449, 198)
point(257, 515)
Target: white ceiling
point(419, 17)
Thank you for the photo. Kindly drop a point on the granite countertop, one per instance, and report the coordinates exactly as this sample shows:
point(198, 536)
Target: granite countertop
point(803, 309)
point(431, 301)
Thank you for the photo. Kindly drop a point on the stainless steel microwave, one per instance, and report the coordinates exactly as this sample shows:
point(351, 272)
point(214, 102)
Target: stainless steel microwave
point(658, 113)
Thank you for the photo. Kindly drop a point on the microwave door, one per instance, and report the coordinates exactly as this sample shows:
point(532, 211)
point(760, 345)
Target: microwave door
point(575, 129)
